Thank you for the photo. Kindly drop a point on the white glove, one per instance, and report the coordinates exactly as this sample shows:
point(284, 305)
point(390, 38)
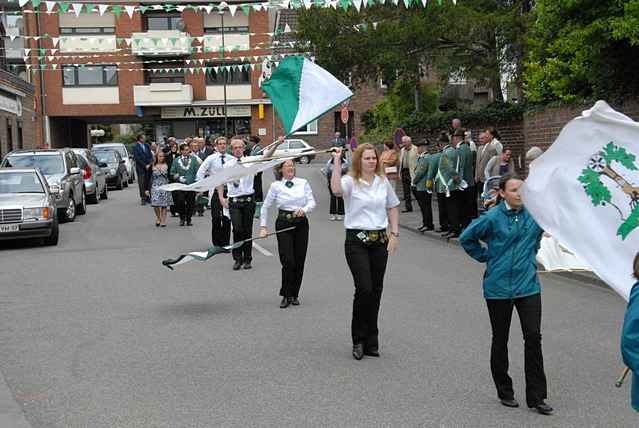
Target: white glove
point(182, 179)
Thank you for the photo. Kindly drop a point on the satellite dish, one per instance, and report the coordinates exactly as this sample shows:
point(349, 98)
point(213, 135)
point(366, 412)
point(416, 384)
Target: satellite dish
point(180, 25)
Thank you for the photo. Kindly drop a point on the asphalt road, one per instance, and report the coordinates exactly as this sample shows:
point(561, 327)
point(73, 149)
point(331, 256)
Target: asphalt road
point(96, 333)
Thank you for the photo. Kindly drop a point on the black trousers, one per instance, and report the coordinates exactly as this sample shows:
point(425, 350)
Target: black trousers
point(144, 177)
point(184, 204)
point(220, 225)
point(292, 246)
point(257, 187)
point(469, 206)
point(242, 219)
point(425, 206)
point(529, 311)
point(454, 205)
point(367, 263)
point(337, 203)
point(444, 222)
point(406, 187)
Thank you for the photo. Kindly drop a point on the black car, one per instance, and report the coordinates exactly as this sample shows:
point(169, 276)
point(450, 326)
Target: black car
point(114, 167)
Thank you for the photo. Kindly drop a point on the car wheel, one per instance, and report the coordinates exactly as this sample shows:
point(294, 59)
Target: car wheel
point(120, 186)
point(81, 208)
point(105, 192)
point(94, 199)
point(55, 233)
point(305, 160)
point(68, 214)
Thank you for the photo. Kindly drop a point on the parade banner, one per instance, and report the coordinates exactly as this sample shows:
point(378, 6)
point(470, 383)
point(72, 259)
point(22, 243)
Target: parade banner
point(554, 257)
point(302, 91)
point(583, 192)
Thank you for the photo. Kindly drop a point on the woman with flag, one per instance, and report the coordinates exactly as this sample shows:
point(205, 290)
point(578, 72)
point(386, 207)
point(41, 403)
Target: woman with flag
point(630, 336)
point(294, 199)
point(370, 211)
point(511, 238)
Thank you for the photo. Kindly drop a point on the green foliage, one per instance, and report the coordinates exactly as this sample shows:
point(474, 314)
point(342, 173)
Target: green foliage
point(612, 153)
point(583, 49)
point(598, 192)
point(631, 223)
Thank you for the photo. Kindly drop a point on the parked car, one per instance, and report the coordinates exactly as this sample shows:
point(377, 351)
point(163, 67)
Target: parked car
point(27, 207)
point(94, 176)
point(124, 152)
point(63, 175)
point(294, 146)
point(114, 168)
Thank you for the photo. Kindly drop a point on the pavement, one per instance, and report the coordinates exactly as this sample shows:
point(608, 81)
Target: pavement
point(96, 333)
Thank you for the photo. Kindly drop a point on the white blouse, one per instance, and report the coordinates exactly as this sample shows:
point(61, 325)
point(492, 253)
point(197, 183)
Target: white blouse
point(299, 195)
point(242, 187)
point(366, 205)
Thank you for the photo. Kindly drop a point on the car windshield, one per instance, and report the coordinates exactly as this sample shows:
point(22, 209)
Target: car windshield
point(105, 156)
point(118, 149)
point(48, 164)
point(20, 182)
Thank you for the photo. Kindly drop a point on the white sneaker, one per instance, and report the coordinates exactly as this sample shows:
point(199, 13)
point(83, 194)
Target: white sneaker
point(332, 218)
point(340, 217)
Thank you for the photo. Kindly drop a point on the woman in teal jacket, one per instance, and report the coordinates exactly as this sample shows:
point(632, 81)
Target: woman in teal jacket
point(630, 337)
point(511, 237)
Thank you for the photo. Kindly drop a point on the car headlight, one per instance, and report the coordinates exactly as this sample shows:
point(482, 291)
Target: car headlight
point(55, 189)
point(36, 213)
point(112, 171)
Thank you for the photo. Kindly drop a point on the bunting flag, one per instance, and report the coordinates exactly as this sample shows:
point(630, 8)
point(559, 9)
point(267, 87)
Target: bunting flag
point(203, 256)
point(302, 91)
point(584, 191)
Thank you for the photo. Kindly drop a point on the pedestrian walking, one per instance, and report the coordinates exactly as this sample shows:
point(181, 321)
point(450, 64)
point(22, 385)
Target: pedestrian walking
point(143, 161)
point(160, 199)
point(630, 337)
point(422, 187)
point(220, 223)
point(170, 156)
point(407, 162)
point(372, 232)
point(240, 202)
point(511, 237)
point(184, 170)
point(336, 205)
point(294, 199)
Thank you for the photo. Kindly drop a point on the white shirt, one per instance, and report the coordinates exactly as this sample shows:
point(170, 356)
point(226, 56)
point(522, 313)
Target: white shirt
point(243, 187)
point(209, 166)
point(365, 205)
point(286, 198)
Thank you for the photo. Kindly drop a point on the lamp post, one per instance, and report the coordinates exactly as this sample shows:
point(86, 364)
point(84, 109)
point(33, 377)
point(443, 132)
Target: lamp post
point(224, 75)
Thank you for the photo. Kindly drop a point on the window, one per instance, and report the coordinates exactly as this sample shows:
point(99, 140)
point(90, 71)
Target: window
point(71, 162)
point(309, 129)
point(164, 73)
point(296, 144)
point(239, 23)
point(90, 75)
point(90, 31)
point(49, 164)
point(218, 30)
point(164, 22)
point(235, 74)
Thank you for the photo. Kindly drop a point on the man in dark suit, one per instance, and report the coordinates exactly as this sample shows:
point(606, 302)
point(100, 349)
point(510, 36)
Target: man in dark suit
point(204, 150)
point(143, 160)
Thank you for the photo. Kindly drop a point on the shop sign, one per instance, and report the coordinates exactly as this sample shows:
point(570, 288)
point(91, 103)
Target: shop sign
point(197, 112)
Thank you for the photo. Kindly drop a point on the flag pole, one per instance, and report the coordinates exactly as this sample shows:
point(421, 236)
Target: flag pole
point(622, 377)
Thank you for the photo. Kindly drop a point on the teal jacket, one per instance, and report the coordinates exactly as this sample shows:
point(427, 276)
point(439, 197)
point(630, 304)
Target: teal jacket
point(420, 181)
point(448, 171)
point(512, 241)
point(466, 164)
point(432, 172)
point(189, 171)
point(630, 343)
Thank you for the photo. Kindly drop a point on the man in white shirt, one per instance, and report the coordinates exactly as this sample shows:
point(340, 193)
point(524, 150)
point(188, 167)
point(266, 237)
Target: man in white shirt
point(407, 163)
point(241, 202)
point(220, 224)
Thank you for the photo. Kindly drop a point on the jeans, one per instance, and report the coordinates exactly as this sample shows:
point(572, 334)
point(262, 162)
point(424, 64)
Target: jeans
point(529, 311)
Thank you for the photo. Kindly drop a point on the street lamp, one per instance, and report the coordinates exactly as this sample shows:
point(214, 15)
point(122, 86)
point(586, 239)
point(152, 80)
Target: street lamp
point(225, 76)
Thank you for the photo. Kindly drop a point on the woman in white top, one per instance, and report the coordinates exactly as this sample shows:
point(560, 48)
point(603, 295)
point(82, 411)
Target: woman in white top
point(294, 199)
point(371, 210)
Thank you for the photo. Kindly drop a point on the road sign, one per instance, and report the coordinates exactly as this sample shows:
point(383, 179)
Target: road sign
point(344, 115)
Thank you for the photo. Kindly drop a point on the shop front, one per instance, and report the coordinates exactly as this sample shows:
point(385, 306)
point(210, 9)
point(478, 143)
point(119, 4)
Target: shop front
point(203, 120)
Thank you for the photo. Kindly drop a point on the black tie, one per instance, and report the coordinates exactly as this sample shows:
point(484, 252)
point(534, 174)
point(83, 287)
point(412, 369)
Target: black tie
point(288, 184)
point(222, 159)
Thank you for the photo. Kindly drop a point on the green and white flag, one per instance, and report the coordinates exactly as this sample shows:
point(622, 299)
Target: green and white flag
point(302, 91)
point(584, 191)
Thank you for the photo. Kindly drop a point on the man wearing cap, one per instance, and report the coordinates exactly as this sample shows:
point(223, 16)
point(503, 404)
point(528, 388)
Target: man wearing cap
point(435, 185)
point(450, 183)
point(467, 173)
point(421, 185)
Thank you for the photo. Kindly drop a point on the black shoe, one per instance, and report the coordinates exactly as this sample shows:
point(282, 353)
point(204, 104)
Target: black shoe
point(285, 302)
point(372, 351)
point(421, 228)
point(237, 265)
point(181, 222)
point(189, 223)
point(247, 265)
point(543, 408)
point(295, 301)
point(509, 402)
point(358, 351)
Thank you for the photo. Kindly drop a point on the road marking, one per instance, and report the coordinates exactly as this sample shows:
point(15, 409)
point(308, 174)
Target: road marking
point(262, 250)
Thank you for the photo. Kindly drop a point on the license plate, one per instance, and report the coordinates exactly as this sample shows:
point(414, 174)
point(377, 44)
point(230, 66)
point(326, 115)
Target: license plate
point(5, 228)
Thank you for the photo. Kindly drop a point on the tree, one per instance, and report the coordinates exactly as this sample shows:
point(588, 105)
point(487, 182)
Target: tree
point(583, 49)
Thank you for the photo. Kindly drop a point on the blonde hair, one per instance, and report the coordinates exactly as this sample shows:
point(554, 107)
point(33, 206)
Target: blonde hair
point(356, 165)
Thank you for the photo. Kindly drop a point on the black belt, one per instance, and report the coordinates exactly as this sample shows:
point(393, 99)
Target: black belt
point(241, 199)
point(288, 216)
point(367, 236)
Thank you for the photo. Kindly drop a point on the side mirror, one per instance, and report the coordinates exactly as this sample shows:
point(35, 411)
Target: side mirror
point(103, 165)
point(75, 171)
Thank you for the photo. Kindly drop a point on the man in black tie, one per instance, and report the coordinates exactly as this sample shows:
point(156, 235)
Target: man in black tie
point(143, 160)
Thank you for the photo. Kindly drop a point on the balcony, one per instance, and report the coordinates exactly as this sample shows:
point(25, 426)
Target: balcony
point(213, 42)
point(69, 44)
point(161, 42)
point(233, 92)
point(163, 94)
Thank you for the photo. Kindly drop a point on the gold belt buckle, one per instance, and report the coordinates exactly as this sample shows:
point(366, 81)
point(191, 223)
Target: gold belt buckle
point(373, 235)
point(289, 216)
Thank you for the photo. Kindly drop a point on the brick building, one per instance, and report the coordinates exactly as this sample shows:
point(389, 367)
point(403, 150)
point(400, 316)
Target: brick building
point(158, 67)
point(17, 114)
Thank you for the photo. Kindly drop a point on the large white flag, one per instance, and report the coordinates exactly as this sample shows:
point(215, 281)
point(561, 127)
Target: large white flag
point(584, 191)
